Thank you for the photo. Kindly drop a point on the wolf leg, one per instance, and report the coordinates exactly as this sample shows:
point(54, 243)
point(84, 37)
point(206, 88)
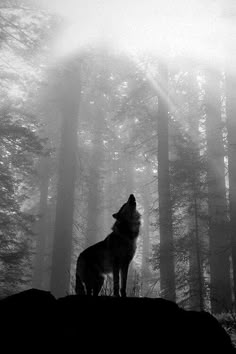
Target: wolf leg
point(124, 273)
point(88, 289)
point(116, 281)
point(79, 287)
point(98, 286)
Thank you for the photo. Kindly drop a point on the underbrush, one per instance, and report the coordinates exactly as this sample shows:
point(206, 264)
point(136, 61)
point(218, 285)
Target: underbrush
point(228, 321)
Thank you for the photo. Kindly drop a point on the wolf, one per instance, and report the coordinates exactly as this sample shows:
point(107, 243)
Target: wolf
point(112, 255)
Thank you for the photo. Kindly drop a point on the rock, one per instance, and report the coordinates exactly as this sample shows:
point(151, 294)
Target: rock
point(108, 324)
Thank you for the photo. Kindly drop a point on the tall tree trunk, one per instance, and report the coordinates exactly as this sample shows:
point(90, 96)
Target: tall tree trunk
point(62, 247)
point(91, 233)
point(129, 186)
point(39, 266)
point(129, 172)
point(195, 260)
point(195, 252)
point(167, 268)
point(108, 195)
point(229, 16)
point(220, 289)
point(146, 241)
point(231, 126)
point(94, 180)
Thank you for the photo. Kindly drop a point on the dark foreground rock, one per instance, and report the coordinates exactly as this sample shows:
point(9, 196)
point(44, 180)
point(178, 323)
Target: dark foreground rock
point(34, 320)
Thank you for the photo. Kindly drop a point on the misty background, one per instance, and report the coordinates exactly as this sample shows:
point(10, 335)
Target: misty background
point(101, 99)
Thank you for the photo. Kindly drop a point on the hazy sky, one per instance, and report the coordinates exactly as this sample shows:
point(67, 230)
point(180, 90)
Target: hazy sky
point(74, 8)
point(193, 27)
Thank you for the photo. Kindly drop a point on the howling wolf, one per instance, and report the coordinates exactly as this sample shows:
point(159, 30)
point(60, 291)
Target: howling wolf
point(112, 255)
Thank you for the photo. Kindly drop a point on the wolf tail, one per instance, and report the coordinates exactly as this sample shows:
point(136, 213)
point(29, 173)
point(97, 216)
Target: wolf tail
point(79, 286)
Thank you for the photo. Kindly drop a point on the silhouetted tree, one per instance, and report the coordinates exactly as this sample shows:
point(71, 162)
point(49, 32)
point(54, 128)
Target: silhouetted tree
point(146, 233)
point(42, 227)
point(220, 288)
point(231, 129)
point(94, 178)
point(167, 270)
point(69, 99)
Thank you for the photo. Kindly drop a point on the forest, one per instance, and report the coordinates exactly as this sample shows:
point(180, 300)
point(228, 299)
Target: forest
point(103, 99)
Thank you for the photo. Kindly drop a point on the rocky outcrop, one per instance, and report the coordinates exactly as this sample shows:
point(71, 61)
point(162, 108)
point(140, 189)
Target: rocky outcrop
point(34, 320)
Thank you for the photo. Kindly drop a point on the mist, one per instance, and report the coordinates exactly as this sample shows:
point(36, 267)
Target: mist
point(102, 100)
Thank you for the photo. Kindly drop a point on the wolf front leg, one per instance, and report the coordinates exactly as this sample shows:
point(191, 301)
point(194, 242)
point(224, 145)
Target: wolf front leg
point(124, 273)
point(116, 280)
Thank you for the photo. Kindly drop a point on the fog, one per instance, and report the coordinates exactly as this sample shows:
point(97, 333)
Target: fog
point(102, 100)
point(198, 30)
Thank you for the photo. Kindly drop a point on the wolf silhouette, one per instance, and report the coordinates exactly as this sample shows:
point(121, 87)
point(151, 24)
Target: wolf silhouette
point(112, 255)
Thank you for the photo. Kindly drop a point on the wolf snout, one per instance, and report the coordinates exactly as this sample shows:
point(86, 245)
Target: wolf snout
point(132, 199)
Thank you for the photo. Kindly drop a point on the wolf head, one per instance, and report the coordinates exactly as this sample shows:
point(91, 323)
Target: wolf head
point(128, 214)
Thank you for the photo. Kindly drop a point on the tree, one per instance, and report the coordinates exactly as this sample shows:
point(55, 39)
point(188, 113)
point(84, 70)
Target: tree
point(61, 259)
point(220, 288)
point(42, 227)
point(146, 234)
point(167, 271)
point(24, 47)
point(94, 178)
point(194, 176)
point(229, 12)
point(231, 129)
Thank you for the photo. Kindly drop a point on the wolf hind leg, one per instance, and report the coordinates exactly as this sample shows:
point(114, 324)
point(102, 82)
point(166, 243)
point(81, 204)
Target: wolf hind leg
point(124, 273)
point(94, 283)
point(79, 286)
point(116, 280)
point(98, 285)
point(89, 289)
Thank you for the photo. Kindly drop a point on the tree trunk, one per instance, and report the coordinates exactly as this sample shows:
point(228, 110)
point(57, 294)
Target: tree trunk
point(61, 258)
point(130, 186)
point(220, 290)
point(196, 298)
point(195, 260)
point(231, 126)
point(129, 172)
point(39, 266)
point(94, 180)
point(167, 268)
point(146, 241)
point(229, 16)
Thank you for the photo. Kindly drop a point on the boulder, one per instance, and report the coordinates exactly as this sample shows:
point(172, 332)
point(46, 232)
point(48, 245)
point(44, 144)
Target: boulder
point(34, 319)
